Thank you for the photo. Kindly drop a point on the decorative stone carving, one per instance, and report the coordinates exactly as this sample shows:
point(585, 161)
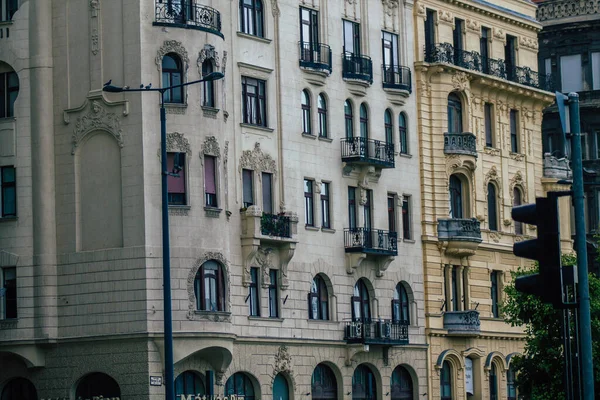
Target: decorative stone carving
point(256, 160)
point(495, 236)
point(275, 8)
point(177, 142)
point(557, 168)
point(492, 175)
point(172, 46)
point(264, 260)
point(97, 118)
point(460, 81)
point(207, 53)
point(210, 147)
point(283, 363)
point(178, 110)
point(517, 156)
point(473, 25)
point(517, 181)
point(226, 177)
point(389, 6)
point(223, 86)
point(499, 34)
point(209, 255)
point(446, 16)
point(491, 151)
point(94, 35)
point(528, 42)
point(421, 10)
point(566, 8)
point(178, 211)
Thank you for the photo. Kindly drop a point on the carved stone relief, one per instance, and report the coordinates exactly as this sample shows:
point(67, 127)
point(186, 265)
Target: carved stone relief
point(473, 25)
point(226, 177)
point(97, 118)
point(460, 81)
point(207, 53)
point(172, 46)
point(224, 87)
point(209, 255)
point(275, 8)
point(283, 364)
point(256, 160)
point(530, 43)
point(492, 176)
point(177, 142)
point(445, 16)
point(264, 258)
point(517, 181)
point(389, 6)
point(94, 34)
point(210, 147)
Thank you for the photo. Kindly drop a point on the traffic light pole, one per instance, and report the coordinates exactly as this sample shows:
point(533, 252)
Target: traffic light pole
point(585, 333)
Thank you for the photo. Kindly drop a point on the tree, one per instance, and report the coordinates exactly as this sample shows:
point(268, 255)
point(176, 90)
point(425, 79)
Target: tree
point(540, 370)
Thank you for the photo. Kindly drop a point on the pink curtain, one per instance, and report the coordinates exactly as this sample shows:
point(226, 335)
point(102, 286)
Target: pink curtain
point(209, 175)
point(176, 184)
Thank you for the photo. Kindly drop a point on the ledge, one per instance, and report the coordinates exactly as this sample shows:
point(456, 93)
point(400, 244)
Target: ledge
point(253, 37)
point(9, 323)
point(215, 316)
point(210, 112)
point(357, 87)
point(325, 139)
point(6, 219)
point(251, 318)
point(256, 127)
point(212, 212)
point(308, 136)
point(405, 155)
point(409, 240)
point(175, 108)
point(181, 211)
point(322, 321)
point(327, 230)
point(397, 96)
point(311, 228)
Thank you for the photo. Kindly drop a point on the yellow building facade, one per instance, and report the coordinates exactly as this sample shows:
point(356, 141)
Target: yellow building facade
point(479, 110)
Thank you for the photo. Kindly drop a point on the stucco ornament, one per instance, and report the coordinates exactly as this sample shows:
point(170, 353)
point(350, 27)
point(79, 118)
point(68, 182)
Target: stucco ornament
point(491, 176)
point(256, 160)
point(177, 142)
point(264, 260)
point(191, 314)
point(283, 363)
point(275, 8)
point(172, 46)
point(473, 25)
point(389, 6)
point(210, 147)
point(208, 53)
point(446, 16)
point(528, 42)
point(518, 182)
point(460, 81)
point(97, 118)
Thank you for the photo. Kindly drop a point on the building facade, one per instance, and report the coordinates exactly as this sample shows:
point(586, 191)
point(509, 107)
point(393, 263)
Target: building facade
point(294, 200)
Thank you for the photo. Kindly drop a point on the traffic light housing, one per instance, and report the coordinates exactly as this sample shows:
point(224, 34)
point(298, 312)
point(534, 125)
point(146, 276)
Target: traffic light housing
point(548, 283)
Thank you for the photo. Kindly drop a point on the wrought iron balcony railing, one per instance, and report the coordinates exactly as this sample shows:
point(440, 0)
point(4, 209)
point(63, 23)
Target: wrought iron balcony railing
point(382, 331)
point(462, 323)
point(360, 150)
point(371, 241)
point(187, 14)
point(459, 229)
point(472, 60)
point(358, 67)
point(315, 56)
point(396, 77)
point(460, 143)
point(275, 225)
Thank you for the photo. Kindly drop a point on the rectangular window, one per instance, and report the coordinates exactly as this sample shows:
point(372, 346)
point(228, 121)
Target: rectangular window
point(273, 306)
point(484, 47)
point(248, 185)
point(309, 214)
point(9, 89)
point(596, 71)
point(254, 108)
point(351, 37)
point(510, 56)
point(489, 137)
point(309, 29)
point(495, 309)
point(8, 293)
point(389, 44)
point(267, 192)
point(176, 181)
point(430, 24)
point(548, 66)
point(325, 209)
point(455, 300)
point(352, 207)
point(514, 136)
point(406, 218)
point(368, 212)
point(253, 295)
point(391, 203)
point(457, 40)
point(465, 292)
point(571, 73)
point(8, 195)
point(210, 181)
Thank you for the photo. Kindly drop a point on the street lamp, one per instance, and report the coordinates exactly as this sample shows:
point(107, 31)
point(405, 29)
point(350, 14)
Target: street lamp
point(168, 318)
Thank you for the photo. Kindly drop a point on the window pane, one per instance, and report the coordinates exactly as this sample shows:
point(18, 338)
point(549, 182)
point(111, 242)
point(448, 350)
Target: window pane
point(209, 175)
point(571, 73)
point(492, 211)
point(247, 184)
point(596, 71)
point(267, 193)
point(488, 125)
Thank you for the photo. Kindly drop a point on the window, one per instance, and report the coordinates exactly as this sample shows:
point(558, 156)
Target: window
point(364, 385)
point(400, 305)
point(239, 384)
point(172, 74)
point(548, 66)
point(457, 38)
point(273, 306)
point(368, 212)
point(596, 71)
point(406, 218)
point(484, 49)
point(318, 299)
point(18, 388)
point(309, 31)
point(361, 309)
point(364, 122)
point(389, 43)
point(251, 17)
point(189, 383)
point(455, 301)
point(514, 137)
point(248, 185)
point(402, 385)
point(8, 9)
point(454, 114)
point(349, 124)
point(209, 86)
point(571, 73)
point(351, 37)
point(309, 214)
point(487, 116)
point(510, 56)
point(176, 182)
point(493, 382)
point(388, 127)
point(494, 289)
point(8, 195)
point(8, 293)
point(93, 384)
point(210, 185)
point(210, 287)
point(323, 383)
point(456, 197)
point(254, 101)
point(9, 90)
point(430, 24)
point(403, 133)
point(267, 192)
point(253, 295)
point(511, 386)
point(446, 381)
point(391, 203)
point(322, 110)
point(352, 207)
point(306, 125)
point(517, 201)
point(492, 208)
point(325, 208)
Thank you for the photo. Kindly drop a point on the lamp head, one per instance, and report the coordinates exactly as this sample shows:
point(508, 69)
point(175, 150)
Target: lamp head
point(213, 76)
point(112, 89)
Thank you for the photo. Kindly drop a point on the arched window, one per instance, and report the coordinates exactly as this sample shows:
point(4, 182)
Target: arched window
point(172, 74)
point(493, 382)
point(364, 386)
point(251, 17)
point(239, 384)
point(281, 389)
point(517, 201)
point(454, 114)
point(402, 386)
point(323, 384)
point(209, 86)
point(364, 122)
point(389, 128)
point(9, 90)
point(511, 387)
point(349, 123)
point(17, 389)
point(189, 383)
point(446, 381)
point(361, 309)
point(400, 305)
point(322, 108)
point(97, 384)
point(209, 287)
point(456, 197)
point(492, 210)
point(318, 299)
point(402, 127)
point(306, 125)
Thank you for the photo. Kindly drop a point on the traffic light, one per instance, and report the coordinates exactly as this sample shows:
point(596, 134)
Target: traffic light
point(548, 283)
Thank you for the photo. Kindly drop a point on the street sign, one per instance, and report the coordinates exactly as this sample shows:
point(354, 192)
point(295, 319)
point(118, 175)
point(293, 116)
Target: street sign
point(155, 380)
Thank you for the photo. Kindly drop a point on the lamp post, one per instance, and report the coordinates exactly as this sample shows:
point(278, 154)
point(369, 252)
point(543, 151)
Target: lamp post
point(168, 318)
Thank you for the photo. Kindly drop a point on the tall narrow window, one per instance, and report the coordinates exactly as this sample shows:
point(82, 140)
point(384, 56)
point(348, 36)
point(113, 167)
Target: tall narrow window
point(172, 74)
point(248, 188)
point(309, 32)
point(8, 287)
point(402, 128)
point(8, 194)
point(364, 122)
point(400, 305)
point(514, 135)
point(517, 201)
point(351, 37)
point(494, 294)
point(571, 73)
point(446, 381)
point(493, 382)
point(456, 194)
point(254, 101)
point(391, 203)
point(209, 86)
point(253, 295)
point(322, 110)
point(454, 114)
point(510, 56)
point(457, 41)
point(325, 206)
point(267, 192)
point(9, 90)
point(352, 207)
point(318, 303)
point(309, 214)
point(349, 123)
point(596, 71)
point(8, 9)
point(210, 185)
point(388, 127)
point(306, 125)
point(273, 301)
point(406, 218)
point(176, 181)
point(484, 47)
point(487, 116)
point(430, 24)
point(454, 287)
point(401, 384)
point(361, 309)
point(547, 66)
point(492, 207)
point(389, 45)
point(367, 210)
point(511, 387)
point(210, 287)
point(251, 17)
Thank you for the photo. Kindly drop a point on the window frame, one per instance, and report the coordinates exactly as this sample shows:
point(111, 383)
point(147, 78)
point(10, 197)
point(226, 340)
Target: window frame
point(361, 299)
point(518, 201)
point(318, 294)
point(210, 199)
point(352, 208)
point(392, 200)
point(364, 121)
point(388, 126)
point(495, 293)
point(322, 113)
point(325, 205)
point(306, 113)
point(254, 293)
point(257, 113)
point(446, 381)
point(273, 293)
point(455, 114)
point(183, 174)
point(390, 49)
point(401, 305)
point(348, 119)
point(492, 205)
point(252, 18)
point(208, 98)
point(7, 103)
point(355, 40)
point(456, 193)
point(309, 205)
point(168, 74)
point(368, 213)
point(515, 140)
point(488, 112)
point(10, 293)
point(8, 8)
point(5, 186)
point(407, 217)
point(403, 133)
point(267, 192)
point(493, 382)
point(247, 179)
point(219, 293)
point(312, 24)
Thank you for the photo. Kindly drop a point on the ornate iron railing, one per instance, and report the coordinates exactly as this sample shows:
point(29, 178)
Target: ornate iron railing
point(357, 67)
point(315, 56)
point(550, 10)
point(462, 322)
point(187, 14)
point(382, 331)
point(396, 77)
point(460, 143)
point(368, 151)
point(459, 229)
point(367, 240)
point(275, 225)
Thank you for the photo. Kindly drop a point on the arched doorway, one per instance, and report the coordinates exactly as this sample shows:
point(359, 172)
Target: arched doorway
point(240, 384)
point(364, 386)
point(324, 384)
point(97, 384)
point(402, 385)
point(281, 390)
point(189, 383)
point(19, 389)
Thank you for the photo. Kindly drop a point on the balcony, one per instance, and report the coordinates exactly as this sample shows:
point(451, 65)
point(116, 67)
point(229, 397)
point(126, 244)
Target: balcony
point(460, 143)
point(376, 332)
point(396, 77)
point(274, 225)
point(357, 68)
point(462, 236)
point(362, 151)
point(462, 323)
point(187, 14)
point(371, 241)
point(315, 57)
point(556, 168)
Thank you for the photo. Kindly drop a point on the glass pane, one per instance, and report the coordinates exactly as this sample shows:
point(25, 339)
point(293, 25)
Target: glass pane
point(8, 175)
point(596, 71)
point(571, 73)
point(9, 203)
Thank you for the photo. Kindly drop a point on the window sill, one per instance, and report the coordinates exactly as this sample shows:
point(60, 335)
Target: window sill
point(215, 316)
point(181, 211)
point(175, 108)
point(6, 23)
point(254, 37)
point(256, 127)
point(517, 156)
point(8, 323)
point(325, 139)
point(408, 240)
point(212, 212)
point(6, 219)
point(270, 319)
point(311, 228)
point(210, 112)
point(7, 119)
point(308, 136)
point(322, 321)
point(405, 155)
point(327, 230)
